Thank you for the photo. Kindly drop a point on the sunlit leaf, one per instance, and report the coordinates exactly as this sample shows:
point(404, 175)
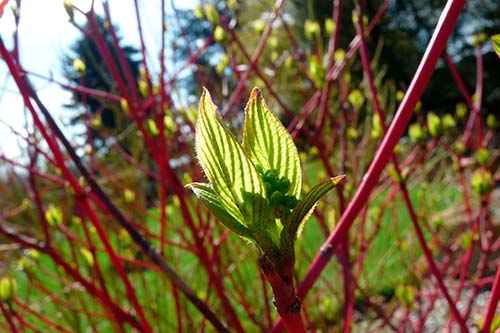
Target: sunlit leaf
point(269, 144)
point(206, 194)
point(495, 40)
point(227, 167)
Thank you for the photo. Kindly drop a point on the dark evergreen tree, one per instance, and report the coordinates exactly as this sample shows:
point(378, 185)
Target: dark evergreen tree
point(97, 76)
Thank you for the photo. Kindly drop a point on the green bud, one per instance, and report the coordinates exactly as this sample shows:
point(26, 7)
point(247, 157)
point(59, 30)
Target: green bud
point(437, 222)
point(153, 129)
point(352, 134)
point(482, 182)
point(461, 110)
point(259, 26)
point(356, 99)
point(96, 122)
point(79, 66)
point(33, 254)
point(459, 148)
point(466, 240)
point(198, 12)
point(143, 87)
point(434, 124)
point(129, 195)
point(339, 55)
point(69, 10)
point(448, 122)
point(283, 184)
point(400, 95)
point(289, 201)
point(393, 174)
point(53, 215)
point(317, 71)
point(329, 26)
point(212, 14)
point(87, 255)
point(376, 132)
point(223, 63)
point(270, 176)
point(312, 29)
point(274, 56)
point(483, 156)
point(416, 133)
point(272, 42)
point(479, 39)
point(8, 288)
point(491, 121)
point(275, 198)
point(219, 34)
point(25, 265)
point(124, 106)
point(124, 237)
point(327, 309)
point(418, 107)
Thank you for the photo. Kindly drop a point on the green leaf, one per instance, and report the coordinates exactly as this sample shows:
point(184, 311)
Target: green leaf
point(227, 167)
point(495, 40)
point(206, 194)
point(269, 144)
point(302, 212)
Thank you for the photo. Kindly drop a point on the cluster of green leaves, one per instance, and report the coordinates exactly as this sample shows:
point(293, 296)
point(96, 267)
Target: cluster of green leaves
point(255, 186)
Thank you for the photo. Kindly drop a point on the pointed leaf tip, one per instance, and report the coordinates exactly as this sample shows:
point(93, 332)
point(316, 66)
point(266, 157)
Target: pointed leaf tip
point(268, 143)
point(337, 179)
point(302, 212)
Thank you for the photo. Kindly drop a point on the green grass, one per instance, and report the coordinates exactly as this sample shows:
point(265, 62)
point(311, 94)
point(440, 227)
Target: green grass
point(390, 262)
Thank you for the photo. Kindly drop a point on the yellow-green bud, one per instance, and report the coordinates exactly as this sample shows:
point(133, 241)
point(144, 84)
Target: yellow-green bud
point(448, 122)
point(69, 10)
point(434, 124)
point(259, 26)
point(212, 14)
point(96, 122)
point(53, 215)
point(79, 66)
point(491, 121)
point(461, 110)
point(198, 12)
point(87, 255)
point(482, 182)
point(329, 26)
point(124, 106)
point(400, 95)
point(483, 156)
point(8, 288)
point(416, 133)
point(376, 132)
point(339, 55)
point(352, 134)
point(479, 39)
point(219, 34)
point(129, 195)
point(312, 29)
point(153, 129)
point(356, 99)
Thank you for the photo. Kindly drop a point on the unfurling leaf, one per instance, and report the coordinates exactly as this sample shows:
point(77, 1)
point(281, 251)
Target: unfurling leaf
point(303, 211)
point(269, 144)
